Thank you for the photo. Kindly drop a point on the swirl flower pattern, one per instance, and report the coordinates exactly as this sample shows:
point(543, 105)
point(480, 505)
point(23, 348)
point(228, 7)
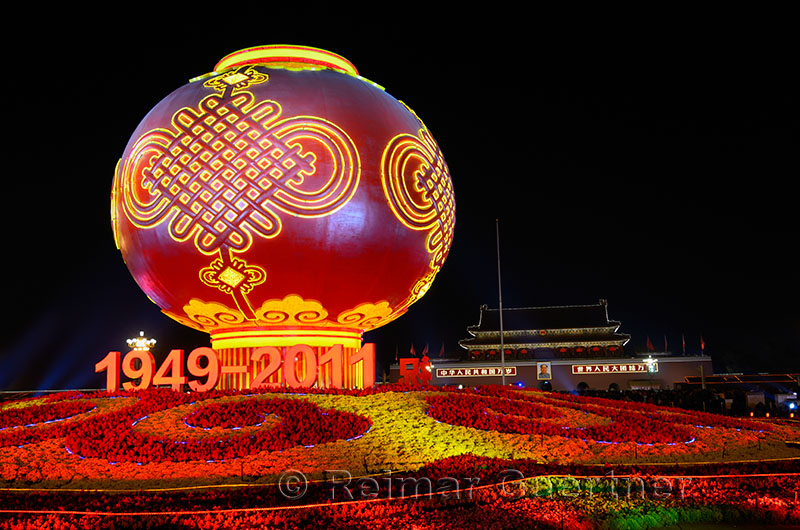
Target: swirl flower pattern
point(156, 439)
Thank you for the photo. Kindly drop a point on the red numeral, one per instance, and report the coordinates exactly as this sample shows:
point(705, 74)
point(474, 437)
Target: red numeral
point(172, 365)
point(275, 359)
point(110, 364)
point(333, 357)
point(147, 364)
point(366, 356)
point(211, 369)
point(327, 370)
point(290, 366)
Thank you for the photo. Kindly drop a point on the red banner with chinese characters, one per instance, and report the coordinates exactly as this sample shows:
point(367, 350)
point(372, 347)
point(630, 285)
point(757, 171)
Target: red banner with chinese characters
point(613, 368)
point(472, 372)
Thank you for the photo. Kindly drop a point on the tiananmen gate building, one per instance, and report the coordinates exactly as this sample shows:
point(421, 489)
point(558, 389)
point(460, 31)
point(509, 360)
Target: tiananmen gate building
point(560, 348)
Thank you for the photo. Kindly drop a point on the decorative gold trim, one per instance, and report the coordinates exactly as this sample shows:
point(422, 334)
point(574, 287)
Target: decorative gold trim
point(286, 315)
point(292, 310)
point(243, 77)
point(314, 336)
point(210, 315)
point(366, 316)
point(417, 186)
point(298, 56)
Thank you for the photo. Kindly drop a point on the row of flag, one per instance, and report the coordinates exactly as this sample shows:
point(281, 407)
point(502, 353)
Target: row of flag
point(413, 352)
point(650, 346)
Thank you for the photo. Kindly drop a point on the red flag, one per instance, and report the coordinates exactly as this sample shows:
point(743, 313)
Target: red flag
point(702, 343)
point(666, 349)
point(441, 352)
point(425, 351)
point(683, 344)
point(649, 344)
point(413, 351)
point(396, 354)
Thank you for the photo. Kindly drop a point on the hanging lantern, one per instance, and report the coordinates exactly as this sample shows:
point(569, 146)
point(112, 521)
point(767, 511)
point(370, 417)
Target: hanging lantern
point(282, 199)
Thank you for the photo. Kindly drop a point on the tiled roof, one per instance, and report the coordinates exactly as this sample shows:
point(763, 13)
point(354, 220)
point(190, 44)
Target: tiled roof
point(540, 324)
point(537, 318)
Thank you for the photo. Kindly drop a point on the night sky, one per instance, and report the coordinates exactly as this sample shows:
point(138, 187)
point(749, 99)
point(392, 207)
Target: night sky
point(654, 169)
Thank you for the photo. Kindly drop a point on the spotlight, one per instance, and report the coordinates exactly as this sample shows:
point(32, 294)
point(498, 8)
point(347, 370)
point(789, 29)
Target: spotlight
point(520, 384)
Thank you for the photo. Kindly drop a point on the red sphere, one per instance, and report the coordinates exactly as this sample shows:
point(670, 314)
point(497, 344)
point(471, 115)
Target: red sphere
point(283, 192)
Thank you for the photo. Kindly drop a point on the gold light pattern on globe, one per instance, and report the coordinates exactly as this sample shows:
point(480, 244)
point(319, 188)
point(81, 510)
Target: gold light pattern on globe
point(208, 315)
point(417, 184)
point(291, 310)
point(237, 79)
point(235, 277)
point(242, 209)
point(367, 316)
point(230, 167)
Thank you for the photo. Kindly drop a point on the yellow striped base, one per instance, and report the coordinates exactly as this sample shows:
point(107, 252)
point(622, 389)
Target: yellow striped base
point(241, 370)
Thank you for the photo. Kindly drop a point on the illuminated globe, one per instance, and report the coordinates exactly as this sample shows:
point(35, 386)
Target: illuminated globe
point(282, 199)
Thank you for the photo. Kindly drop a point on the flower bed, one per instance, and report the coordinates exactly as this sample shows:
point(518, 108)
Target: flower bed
point(155, 439)
point(519, 416)
point(731, 493)
point(302, 424)
point(32, 416)
point(53, 417)
point(248, 413)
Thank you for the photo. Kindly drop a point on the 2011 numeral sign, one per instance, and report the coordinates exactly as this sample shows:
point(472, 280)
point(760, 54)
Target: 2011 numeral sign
point(204, 366)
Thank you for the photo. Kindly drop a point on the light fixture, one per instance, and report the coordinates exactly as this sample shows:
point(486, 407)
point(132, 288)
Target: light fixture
point(141, 343)
point(651, 363)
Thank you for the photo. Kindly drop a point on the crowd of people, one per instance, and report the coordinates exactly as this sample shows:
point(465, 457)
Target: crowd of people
point(728, 402)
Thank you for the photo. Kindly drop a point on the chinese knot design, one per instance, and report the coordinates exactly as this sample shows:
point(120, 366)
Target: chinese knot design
point(235, 277)
point(229, 168)
point(417, 184)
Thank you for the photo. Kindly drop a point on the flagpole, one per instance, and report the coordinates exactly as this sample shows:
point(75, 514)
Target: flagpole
point(500, 302)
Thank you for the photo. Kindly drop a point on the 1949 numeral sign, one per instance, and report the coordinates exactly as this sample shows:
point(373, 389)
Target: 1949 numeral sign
point(140, 367)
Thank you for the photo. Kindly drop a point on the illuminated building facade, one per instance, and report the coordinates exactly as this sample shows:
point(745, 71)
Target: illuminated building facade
point(562, 348)
point(562, 332)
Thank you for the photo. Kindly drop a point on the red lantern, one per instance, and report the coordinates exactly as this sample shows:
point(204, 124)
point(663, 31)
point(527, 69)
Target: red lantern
point(282, 199)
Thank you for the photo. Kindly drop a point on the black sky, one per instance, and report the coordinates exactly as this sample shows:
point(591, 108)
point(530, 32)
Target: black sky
point(654, 169)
